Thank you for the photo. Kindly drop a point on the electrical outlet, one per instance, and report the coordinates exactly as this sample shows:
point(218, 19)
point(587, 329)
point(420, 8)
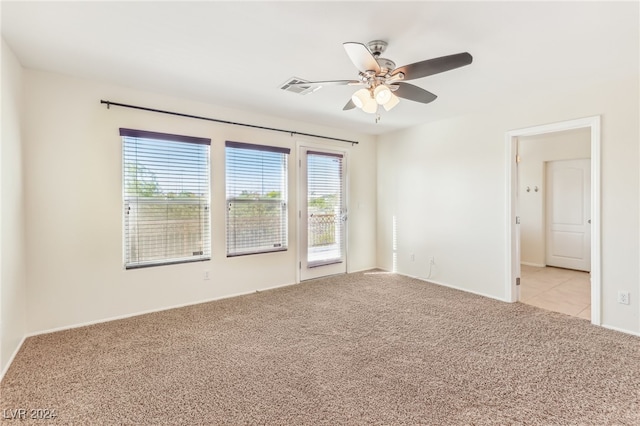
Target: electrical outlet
point(432, 261)
point(623, 297)
point(413, 257)
point(205, 275)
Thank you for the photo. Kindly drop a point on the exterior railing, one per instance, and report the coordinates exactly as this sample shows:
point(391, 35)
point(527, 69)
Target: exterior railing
point(255, 226)
point(161, 229)
point(322, 229)
point(176, 230)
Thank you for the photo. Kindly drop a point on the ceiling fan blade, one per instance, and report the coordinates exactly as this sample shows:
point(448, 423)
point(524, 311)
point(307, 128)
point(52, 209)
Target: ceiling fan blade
point(414, 93)
point(434, 66)
point(349, 105)
point(329, 83)
point(361, 57)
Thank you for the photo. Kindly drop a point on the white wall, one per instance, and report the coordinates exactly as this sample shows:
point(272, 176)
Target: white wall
point(74, 203)
point(13, 281)
point(445, 182)
point(534, 151)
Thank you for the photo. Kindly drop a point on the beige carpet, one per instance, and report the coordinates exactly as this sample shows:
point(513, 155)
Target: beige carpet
point(355, 349)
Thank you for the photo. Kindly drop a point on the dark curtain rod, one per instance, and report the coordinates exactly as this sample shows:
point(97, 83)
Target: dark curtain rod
point(179, 114)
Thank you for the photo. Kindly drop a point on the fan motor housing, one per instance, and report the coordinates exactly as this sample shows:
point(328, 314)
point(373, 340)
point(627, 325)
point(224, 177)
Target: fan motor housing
point(387, 65)
point(377, 47)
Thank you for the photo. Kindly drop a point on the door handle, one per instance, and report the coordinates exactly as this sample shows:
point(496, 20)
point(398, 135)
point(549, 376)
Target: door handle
point(589, 221)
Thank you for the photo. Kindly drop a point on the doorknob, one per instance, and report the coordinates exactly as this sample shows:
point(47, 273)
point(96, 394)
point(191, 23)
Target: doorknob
point(589, 221)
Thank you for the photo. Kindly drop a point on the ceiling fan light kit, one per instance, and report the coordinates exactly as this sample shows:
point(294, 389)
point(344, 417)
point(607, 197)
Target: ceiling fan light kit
point(382, 94)
point(368, 100)
point(370, 106)
point(384, 83)
point(393, 101)
point(360, 97)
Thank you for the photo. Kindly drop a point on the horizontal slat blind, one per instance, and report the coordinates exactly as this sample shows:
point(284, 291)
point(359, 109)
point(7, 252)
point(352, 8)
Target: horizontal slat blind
point(256, 180)
point(166, 198)
point(325, 227)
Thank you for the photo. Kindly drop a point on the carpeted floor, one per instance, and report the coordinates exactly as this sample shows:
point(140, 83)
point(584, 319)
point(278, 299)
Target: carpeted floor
point(365, 348)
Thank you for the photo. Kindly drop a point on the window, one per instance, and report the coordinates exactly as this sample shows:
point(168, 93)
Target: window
point(166, 198)
point(256, 198)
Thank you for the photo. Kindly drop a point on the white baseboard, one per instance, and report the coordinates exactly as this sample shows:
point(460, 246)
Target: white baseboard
point(455, 287)
point(537, 265)
point(125, 316)
point(362, 270)
point(11, 358)
point(621, 330)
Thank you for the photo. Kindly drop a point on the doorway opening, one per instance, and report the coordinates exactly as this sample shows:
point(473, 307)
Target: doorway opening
point(515, 194)
point(567, 291)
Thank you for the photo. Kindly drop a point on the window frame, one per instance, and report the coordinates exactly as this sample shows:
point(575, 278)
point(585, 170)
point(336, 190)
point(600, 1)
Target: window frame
point(284, 199)
point(203, 201)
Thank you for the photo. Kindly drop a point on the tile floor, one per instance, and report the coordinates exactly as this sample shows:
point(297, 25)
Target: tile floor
point(556, 289)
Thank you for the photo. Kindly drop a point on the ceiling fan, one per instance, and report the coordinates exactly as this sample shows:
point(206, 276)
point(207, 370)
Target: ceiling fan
point(383, 83)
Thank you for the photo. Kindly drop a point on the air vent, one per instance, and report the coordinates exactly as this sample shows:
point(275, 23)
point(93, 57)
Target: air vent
point(291, 85)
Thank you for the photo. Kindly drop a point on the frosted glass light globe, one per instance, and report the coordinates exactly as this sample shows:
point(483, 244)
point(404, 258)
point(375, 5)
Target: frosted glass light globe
point(382, 94)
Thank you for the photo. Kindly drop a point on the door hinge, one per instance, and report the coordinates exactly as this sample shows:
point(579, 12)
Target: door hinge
point(517, 220)
point(518, 281)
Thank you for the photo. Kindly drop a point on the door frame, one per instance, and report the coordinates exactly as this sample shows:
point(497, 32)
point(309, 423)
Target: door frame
point(512, 234)
point(300, 198)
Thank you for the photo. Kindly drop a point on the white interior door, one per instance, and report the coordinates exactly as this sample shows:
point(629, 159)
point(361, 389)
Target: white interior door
point(322, 213)
point(568, 225)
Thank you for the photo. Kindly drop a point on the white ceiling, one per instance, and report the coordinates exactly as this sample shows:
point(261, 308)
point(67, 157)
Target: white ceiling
point(237, 54)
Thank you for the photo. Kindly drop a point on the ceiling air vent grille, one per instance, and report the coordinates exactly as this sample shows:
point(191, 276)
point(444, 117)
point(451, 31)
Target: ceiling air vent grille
point(290, 86)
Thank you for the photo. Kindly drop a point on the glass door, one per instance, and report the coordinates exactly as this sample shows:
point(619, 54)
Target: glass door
point(323, 213)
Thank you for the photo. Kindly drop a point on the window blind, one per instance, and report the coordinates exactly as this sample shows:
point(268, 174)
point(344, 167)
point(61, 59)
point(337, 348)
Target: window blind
point(166, 198)
point(256, 186)
point(325, 225)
